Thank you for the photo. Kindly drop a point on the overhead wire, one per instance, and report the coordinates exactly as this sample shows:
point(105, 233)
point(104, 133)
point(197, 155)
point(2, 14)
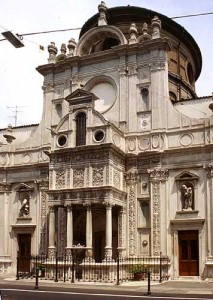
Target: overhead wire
point(79, 28)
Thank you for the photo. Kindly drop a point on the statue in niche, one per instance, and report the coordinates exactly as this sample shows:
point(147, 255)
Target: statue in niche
point(25, 209)
point(187, 197)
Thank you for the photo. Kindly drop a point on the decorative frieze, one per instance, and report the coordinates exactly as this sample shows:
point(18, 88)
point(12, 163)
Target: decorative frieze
point(90, 194)
point(79, 157)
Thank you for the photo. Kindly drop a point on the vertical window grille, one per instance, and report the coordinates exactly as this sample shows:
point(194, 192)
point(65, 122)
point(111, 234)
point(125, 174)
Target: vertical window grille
point(81, 129)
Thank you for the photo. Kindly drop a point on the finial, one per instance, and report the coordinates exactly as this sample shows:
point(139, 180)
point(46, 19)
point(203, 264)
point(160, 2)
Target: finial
point(156, 27)
point(71, 46)
point(63, 49)
point(133, 34)
point(8, 136)
point(102, 10)
point(145, 35)
point(52, 49)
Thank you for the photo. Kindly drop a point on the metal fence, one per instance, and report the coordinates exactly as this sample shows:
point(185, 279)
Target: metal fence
point(72, 269)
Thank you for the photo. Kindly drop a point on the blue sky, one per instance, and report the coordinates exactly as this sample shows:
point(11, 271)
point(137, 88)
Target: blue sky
point(21, 83)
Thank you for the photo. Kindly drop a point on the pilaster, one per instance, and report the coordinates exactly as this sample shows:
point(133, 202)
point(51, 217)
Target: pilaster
point(157, 179)
point(131, 181)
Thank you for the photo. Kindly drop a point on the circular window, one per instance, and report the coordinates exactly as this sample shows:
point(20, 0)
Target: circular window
point(99, 135)
point(105, 89)
point(62, 140)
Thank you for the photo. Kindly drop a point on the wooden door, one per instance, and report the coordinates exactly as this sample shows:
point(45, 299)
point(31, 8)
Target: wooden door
point(188, 253)
point(24, 243)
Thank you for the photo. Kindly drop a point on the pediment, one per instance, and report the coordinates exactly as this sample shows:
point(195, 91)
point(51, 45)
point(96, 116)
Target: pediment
point(23, 187)
point(186, 175)
point(80, 96)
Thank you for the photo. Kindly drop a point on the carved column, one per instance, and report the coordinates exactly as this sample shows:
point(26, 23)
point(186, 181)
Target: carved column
point(89, 252)
point(209, 209)
point(51, 248)
point(157, 176)
point(122, 232)
point(43, 186)
point(108, 247)
point(69, 231)
point(131, 180)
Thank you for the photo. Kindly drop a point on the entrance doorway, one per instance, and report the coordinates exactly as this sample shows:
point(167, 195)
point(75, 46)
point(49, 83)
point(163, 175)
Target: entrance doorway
point(188, 253)
point(24, 245)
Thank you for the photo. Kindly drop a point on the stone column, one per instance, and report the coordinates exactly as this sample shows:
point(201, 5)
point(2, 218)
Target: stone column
point(51, 248)
point(69, 231)
point(157, 176)
point(108, 247)
point(89, 252)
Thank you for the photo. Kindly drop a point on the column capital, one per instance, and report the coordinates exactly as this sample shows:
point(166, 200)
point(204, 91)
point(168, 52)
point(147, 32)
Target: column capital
point(87, 204)
point(158, 174)
point(43, 184)
point(108, 204)
point(132, 177)
point(51, 208)
point(68, 207)
point(5, 187)
point(209, 169)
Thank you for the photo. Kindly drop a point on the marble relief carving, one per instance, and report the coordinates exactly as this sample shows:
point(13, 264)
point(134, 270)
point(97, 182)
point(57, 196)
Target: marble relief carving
point(51, 178)
point(156, 176)
point(78, 178)
point(97, 178)
point(60, 179)
point(68, 178)
point(43, 224)
point(117, 179)
point(132, 220)
point(61, 230)
point(156, 218)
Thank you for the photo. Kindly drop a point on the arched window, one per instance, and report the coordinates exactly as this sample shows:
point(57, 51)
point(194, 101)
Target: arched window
point(80, 129)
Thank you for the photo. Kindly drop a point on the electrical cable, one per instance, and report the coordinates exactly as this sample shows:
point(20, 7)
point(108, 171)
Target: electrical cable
point(78, 28)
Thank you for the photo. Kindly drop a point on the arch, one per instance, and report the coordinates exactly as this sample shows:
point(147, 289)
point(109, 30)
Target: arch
point(100, 39)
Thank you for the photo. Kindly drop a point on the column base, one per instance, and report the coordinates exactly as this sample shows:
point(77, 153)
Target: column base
point(89, 255)
point(108, 254)
point(51, 252)
point(68, 252)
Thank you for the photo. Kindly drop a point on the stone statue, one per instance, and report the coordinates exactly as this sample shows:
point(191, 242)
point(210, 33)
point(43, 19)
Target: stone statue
point(187, 201)
point(24, 210)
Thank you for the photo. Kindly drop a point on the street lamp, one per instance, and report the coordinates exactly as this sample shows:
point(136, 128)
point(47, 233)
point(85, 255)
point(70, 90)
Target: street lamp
point(15, 40)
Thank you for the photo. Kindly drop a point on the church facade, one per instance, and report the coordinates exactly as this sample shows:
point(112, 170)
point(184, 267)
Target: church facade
point(122, 158)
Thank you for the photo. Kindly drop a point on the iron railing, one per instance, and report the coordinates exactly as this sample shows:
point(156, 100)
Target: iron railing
point(69, 268)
